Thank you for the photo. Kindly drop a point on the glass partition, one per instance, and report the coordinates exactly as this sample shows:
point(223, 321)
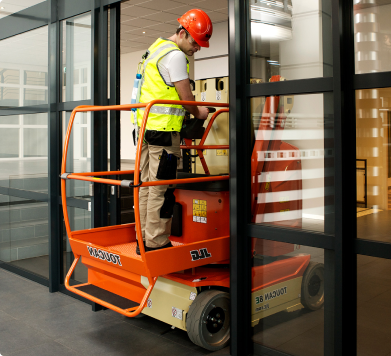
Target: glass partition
point(78, 160)
point(288, 297)
point(292, 163)
point(373, 306)
point(373, 167)
point(76, 58)
point(10, 7)
point(24, 232)
point(372, 30)
point(291, 38)
point(79, 219)
point(24, 69)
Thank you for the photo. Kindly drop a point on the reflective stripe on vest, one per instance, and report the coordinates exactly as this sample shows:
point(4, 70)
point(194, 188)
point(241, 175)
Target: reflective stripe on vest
point(162, 117)
point(167, 110)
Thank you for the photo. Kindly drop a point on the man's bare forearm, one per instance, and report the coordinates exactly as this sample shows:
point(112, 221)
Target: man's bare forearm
point(185, 94)
point(183, 89)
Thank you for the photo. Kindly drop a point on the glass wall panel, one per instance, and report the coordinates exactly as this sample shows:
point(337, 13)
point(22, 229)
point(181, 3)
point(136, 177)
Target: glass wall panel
point(291, 38)
point(24, 171)
point(78, 160)
point(76, 58)
point(9, 143)
point(79, 219)
point(288, 297)
point(372, 30)
point(29, 230)
point(24, 68)
point(373, 306)
point(79, 148)
point(24, 240)
point(35, 119)
point(9, 7)
point(35, 142)
point(373, 155)
point(292, 163)
point(9, 120)
point(24, 136)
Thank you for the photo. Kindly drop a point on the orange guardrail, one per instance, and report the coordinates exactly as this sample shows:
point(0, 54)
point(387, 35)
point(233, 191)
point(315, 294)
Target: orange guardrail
point(91, 177)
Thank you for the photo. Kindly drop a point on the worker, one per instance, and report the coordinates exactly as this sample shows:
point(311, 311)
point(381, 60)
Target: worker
point(165, 75)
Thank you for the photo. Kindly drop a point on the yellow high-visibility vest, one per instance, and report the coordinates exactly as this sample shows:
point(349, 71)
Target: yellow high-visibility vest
point(162, 117)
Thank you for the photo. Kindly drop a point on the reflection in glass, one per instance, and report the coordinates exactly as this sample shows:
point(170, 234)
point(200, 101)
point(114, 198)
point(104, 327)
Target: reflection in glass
point(79, 148)
point(24, 228)
point(23, 167)
point(76, 58)
point(11, 7)
point(24, 68)
point(9, 143)
point(35, 142)
point(291, 38)
point(9, 96)
point(9, 76)
point(9, 120)
point(35, 119)
point(373, 167)
point(292, 161)
point(35, 78)
point(372, 30)
point(288, 297)
point(29, 233)
point(35, 96)
point(19, 140)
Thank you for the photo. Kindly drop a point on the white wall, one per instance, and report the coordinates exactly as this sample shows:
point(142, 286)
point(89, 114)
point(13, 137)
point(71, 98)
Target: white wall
point(129, 62)
point(302, 56)
point(206, 67)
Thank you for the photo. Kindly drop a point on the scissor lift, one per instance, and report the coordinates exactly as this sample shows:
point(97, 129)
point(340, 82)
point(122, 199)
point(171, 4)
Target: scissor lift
point(187, 285)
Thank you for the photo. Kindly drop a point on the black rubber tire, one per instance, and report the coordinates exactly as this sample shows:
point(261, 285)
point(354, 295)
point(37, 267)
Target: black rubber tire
point(312, 286)
point(199, 320)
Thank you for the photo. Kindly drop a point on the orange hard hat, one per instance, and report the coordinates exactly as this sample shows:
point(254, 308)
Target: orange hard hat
point(199, 25)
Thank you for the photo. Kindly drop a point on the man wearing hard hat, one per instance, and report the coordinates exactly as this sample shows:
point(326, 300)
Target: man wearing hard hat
point(165, 75)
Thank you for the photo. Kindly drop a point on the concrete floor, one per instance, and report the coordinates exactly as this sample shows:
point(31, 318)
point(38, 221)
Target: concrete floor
point(34, 322)
point(374, 306)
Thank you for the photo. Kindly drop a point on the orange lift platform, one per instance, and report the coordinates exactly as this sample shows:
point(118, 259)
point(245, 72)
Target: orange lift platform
point(186, 286)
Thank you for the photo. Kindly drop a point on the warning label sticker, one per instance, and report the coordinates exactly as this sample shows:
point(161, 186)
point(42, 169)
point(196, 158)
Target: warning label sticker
point(199, 211)
point(221, 152)
point(177, 313)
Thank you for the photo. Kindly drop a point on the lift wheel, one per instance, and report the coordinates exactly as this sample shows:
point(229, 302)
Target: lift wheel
point(208, 320)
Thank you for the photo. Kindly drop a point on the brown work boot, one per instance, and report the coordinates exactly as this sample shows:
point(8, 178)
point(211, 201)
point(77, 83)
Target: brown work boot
point(149, 249)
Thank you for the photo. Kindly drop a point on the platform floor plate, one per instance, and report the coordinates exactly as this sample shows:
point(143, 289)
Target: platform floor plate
point(129, 248)
point(108, 297)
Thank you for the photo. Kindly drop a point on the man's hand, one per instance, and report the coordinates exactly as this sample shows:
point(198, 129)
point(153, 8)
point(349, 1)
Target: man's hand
point(183, 89)
point(203, 113)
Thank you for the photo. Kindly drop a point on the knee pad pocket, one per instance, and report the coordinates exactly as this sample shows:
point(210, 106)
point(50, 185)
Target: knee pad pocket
point(167, 166)
point(167, 209)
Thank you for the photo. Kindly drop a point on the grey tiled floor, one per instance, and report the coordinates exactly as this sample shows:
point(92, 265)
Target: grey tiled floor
point(36, 322)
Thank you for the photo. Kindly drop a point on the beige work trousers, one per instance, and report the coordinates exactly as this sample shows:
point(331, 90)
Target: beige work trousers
point(155, 230)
